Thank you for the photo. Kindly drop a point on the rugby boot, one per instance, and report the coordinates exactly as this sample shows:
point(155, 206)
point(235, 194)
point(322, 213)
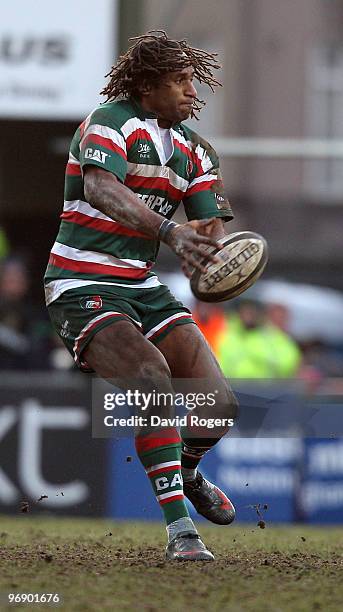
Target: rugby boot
point(209, 500)
point(188, 546)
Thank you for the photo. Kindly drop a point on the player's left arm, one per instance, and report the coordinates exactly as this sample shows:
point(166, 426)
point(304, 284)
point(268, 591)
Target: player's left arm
point(205, 197)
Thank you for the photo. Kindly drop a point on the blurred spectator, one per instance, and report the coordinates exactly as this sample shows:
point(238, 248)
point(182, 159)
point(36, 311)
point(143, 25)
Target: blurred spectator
point(211, 320)
point(278, 315)
point(25, 332)
point(252, 347)
point(320, 360)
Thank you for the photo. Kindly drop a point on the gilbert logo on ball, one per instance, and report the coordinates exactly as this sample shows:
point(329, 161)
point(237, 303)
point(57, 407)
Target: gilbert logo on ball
point(243, 255)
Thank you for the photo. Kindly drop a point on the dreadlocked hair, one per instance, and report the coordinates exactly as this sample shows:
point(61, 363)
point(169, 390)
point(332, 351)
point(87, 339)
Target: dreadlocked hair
point(153, 55)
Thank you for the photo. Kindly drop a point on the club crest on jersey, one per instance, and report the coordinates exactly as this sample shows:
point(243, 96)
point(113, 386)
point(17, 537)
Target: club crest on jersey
point(189, 167)
point(93, 302)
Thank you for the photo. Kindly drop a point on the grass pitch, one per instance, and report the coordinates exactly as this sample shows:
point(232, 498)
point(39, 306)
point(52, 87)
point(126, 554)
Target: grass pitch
point(100, 565)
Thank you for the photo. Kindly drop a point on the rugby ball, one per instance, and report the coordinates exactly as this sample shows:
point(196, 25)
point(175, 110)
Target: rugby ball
point(243, 255)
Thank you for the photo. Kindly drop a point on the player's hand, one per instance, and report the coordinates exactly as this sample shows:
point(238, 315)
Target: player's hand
point(191, 242)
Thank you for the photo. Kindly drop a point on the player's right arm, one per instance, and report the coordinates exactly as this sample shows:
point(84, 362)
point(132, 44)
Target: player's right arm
point(105, 192)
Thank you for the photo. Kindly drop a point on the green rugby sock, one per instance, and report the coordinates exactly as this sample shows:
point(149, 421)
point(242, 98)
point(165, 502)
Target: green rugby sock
point(159, 453)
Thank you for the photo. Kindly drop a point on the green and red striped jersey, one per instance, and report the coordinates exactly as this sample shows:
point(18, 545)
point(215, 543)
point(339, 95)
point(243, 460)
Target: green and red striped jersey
point(125, 140)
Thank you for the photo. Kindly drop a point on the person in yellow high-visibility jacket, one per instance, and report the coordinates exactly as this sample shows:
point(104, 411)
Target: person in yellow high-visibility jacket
point(4, 245)
point(250, 347)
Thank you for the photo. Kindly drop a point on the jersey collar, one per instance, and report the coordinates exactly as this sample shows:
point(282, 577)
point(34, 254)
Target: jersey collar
point(143, 114)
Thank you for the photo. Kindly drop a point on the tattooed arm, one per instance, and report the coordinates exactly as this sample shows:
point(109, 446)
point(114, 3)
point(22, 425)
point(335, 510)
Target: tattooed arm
point(108, 195)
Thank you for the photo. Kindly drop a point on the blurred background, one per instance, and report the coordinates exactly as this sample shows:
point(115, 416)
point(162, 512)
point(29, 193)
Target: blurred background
point(277, 124)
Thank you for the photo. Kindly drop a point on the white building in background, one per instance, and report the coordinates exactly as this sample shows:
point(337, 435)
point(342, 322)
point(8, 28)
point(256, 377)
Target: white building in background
point(283, 78)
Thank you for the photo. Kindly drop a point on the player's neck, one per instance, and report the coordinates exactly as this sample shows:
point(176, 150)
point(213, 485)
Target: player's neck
point(163, 123)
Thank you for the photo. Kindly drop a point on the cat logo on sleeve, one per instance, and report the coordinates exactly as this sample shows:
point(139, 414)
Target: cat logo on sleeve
point(96, 155)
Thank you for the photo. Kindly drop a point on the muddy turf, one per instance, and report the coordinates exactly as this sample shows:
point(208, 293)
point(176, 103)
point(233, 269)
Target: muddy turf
point(99, 565)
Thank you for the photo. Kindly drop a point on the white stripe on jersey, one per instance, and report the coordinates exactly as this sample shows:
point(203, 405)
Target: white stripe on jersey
point(181, 139)
point(72, 159)
point(131, 125)
point(55, 288)
point(86, 209)
point(200, 151)
point(150, 171)
point(105, 132)
point(204, 178)
point(95, 257)
point(205, 160)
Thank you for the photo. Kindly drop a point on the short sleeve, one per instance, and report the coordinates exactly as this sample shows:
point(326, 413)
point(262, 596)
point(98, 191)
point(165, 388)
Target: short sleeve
point(205, 196)
point(103, 144)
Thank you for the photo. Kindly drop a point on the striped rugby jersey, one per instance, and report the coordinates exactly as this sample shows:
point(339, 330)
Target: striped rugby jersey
point(124, 139)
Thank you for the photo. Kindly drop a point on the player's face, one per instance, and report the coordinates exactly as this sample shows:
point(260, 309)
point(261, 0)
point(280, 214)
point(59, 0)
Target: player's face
point(173, 98)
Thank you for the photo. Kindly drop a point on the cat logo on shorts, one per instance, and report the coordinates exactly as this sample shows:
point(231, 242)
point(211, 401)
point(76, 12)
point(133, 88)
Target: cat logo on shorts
point(93, 302)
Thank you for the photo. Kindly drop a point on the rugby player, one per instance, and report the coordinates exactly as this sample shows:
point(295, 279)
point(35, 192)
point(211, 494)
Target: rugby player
point(131, 163)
